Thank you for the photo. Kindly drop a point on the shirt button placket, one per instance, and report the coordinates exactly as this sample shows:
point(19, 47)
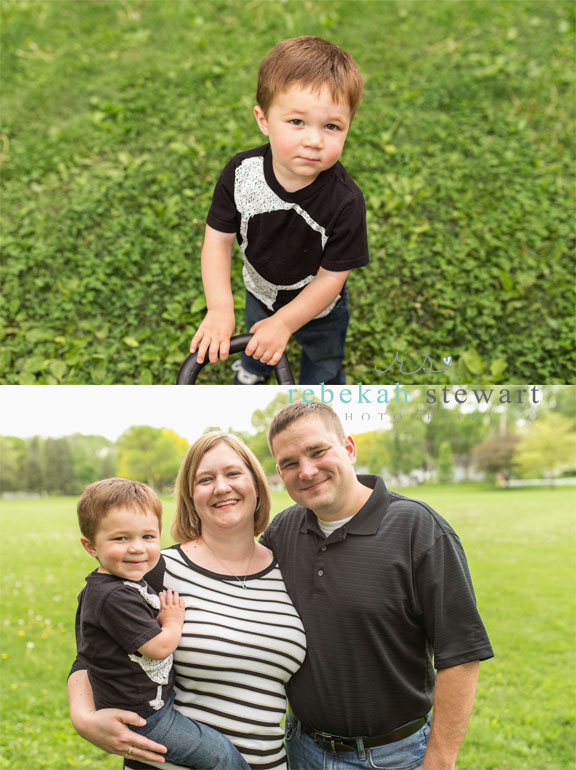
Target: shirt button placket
point(319, 584)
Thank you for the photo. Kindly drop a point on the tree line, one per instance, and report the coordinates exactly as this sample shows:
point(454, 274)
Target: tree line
point(418, 442)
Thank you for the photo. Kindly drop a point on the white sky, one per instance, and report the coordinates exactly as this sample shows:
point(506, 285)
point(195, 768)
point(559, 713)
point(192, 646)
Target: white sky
point(57, 410)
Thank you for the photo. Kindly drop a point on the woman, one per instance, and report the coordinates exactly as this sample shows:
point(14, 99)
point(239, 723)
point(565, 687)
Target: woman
point(242, 637)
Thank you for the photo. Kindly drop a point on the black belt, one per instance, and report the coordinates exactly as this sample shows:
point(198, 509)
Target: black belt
point(339, 743)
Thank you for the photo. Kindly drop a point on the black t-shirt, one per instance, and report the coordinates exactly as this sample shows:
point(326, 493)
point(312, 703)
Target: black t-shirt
point(114, 619)
point(384, 599)
point(286, 237)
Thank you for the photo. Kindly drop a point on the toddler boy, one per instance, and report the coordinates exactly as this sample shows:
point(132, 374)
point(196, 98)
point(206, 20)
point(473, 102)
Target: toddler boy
point(126, 633)
point(299, 219)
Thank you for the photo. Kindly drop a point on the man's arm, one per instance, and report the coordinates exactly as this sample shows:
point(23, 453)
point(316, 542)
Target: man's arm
point(454, 692)
point(107, 728)
point(271, 335)
point(213, 335)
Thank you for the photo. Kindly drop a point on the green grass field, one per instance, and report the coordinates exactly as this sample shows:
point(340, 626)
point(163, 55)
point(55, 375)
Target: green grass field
point(520, 546)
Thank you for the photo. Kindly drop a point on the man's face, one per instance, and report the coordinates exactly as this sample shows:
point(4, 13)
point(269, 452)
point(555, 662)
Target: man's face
point(317, 467)
point(307, 131)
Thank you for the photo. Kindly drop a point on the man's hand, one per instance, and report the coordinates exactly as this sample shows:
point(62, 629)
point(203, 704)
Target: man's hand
point(172, 608)
point(270, 338)
point(213, 336)
point(108, 730)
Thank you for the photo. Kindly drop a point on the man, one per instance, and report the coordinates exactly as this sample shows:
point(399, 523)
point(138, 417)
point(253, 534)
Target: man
point(382, 585)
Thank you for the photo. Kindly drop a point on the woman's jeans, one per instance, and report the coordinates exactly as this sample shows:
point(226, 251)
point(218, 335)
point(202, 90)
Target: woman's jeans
point(191, 743)
point(305, 754)
point(323, 342)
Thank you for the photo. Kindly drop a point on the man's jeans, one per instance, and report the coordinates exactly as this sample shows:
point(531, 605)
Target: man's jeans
point(191, 743)
point(305, 754)
point(323, 342)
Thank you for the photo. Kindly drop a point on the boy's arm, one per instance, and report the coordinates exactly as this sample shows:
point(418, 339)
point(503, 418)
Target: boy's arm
point(271, 335)
point(171, 618)
point(213, 335)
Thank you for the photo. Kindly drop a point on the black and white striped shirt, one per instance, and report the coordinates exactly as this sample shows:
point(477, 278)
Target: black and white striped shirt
point(238, 649)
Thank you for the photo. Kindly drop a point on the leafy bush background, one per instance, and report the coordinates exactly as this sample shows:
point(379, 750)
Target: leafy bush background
point(117, 118)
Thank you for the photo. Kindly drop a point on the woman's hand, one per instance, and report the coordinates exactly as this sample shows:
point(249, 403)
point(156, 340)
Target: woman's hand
point(108, 729)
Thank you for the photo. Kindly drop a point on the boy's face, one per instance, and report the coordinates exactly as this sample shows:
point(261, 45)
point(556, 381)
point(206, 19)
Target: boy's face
point(307, 131)
point(127, 543)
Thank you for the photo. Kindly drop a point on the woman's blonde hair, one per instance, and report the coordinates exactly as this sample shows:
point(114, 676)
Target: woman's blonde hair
point(187, 525)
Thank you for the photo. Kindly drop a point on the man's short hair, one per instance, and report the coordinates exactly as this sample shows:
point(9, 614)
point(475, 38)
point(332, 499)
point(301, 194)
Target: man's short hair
point(300, 410)
point(187, 525)
point(100, 498)
point(310, 62)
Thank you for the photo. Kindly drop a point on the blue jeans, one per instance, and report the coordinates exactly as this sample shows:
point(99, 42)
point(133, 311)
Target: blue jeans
point(191, 743)
point(323, 343)
point(305, 754)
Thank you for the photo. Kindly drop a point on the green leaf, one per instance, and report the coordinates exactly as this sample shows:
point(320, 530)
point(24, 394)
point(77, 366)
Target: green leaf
point(38, 335)
point(58, 369)
point(498, 367)
point(34, 364)
point(473, 361)
point(199, 304)
point(131, 342)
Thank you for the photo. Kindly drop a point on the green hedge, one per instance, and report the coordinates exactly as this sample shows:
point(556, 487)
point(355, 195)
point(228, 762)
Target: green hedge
point(118, 116)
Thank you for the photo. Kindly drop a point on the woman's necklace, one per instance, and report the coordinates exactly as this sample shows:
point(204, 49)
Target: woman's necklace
point(227, 569)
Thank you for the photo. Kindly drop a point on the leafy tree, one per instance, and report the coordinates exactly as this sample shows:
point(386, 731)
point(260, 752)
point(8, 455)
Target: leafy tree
point(372, 450)
point(495, 455)
point(548, 447)
point(34, 467)
point(12, 464)
point(151, 455)
point(445, 467)
point(59, 476)
point(258, 443)
point(93, 458)
point(462, 430)
point(563, 399)
point(261, 418)
point(406, 445)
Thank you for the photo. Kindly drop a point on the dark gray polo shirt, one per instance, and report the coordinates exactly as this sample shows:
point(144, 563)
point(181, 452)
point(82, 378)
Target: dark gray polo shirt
point(384, 599)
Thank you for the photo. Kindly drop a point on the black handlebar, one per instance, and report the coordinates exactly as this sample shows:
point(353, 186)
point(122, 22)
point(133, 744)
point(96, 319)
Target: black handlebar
point(191, 368)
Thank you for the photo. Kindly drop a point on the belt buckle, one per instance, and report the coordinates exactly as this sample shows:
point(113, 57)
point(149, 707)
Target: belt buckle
point(324, 737)
point(333, 740)
point(327, 738)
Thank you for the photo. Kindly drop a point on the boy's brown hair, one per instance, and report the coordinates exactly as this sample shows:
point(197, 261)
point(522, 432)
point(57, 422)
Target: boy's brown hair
point(300, 410)
point(187, 525)
point(100, 498)
point(310, 62)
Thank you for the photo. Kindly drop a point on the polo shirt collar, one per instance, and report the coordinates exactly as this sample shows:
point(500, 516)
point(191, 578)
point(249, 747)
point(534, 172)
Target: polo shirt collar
point(369, 517)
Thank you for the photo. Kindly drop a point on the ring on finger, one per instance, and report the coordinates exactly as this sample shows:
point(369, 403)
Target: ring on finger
point(130, 750)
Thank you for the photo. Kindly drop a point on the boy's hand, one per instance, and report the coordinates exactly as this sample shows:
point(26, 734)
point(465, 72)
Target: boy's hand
point(213, 335)
point(172, 608)
point(270, 338)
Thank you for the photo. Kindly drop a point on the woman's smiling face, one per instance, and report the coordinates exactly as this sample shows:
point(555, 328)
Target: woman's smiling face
point(224, 493)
